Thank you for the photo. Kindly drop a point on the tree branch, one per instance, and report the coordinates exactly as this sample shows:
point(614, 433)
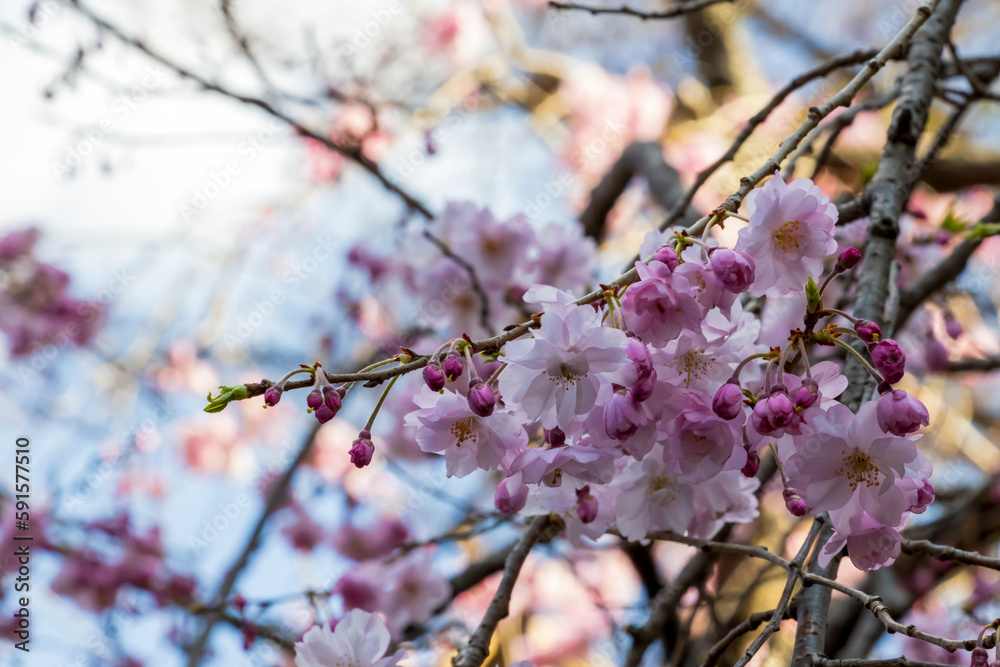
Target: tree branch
point(673, 12)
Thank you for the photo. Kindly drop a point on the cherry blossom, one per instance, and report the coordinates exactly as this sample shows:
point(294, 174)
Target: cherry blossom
point(360, 638)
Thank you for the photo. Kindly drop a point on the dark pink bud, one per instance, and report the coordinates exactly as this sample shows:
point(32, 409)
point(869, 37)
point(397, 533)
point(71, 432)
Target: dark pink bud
point(621, 417)
point(848, 260)
point(952, 326)
point(433, 377)
point(807, 394)
point(733, 269)
point(314, 399)
point(668, 256)
point(358, 592)
point(775, 412)
point(362, 450)
point(239, 602)
point(642, 361)
point(889, 359)
point(794, 502)
point(586, 505)
point(481, 399)
point(728, 401)
point(324, 414)
point(752, 465)
point(936, 356)
point(555, 437)
point(332, 398)
point(900, 414)
point(508, 502)
point(925, 497)
point(453, 367)
point(272, 396)
point(868, 331)
point(980, 657)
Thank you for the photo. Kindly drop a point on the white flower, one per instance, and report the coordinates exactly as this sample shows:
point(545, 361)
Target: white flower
point(557, 375)
point(359, 640)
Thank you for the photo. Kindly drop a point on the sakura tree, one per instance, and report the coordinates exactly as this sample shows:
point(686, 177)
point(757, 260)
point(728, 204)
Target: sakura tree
point(562, 336)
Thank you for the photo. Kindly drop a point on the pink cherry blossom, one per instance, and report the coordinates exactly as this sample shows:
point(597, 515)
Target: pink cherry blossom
point(556, 376)
point(445, 423)
point(360, 638)
point(790, 232)
point(651, 497)
point(660, 305)
point(699, 444)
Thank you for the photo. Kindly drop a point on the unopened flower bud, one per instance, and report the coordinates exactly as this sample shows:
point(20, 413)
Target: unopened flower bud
point(807, 394)
point(868, 331)
point(272, 395)
point(952, 326)
point(332, 398)
point(508, 502)
point(889, 359)
point(752, 465)
point(728, 401)
point(453, 367)
point(795, 503)
point(434, 377)
point(362, 450)
point(314, 399)
point(667, 255)
point(848, 260)
point(775, 412)
point(586, 505)
point(980, 657)
point(481, 399)
point(555, 437)
point(936, 356)
point(733, 269)
point(900, 414)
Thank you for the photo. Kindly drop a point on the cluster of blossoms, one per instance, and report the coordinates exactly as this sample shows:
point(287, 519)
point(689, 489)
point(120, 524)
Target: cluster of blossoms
point(35, 307)
point(647, 407)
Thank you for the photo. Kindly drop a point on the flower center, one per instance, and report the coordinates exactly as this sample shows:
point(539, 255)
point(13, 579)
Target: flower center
point(694, 364)
point(859, 469)
point(788, 236)
point(666, 484)
point(465, 429)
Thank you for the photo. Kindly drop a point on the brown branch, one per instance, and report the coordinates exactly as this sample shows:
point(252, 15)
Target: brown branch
point(638, 159)
point(750, 624)
point(475, 652)
point(758, 118)
point(673, 12)
point(946, 553)
point(275, 499)
point(353, 153)
point(945, 271)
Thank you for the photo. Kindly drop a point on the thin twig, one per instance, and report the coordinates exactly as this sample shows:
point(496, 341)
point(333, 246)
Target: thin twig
point(674, 12)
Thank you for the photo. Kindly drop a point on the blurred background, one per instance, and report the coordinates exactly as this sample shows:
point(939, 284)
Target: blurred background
point(162, 152)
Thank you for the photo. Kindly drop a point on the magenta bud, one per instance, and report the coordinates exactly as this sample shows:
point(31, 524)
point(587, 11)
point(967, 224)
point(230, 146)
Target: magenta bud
point(868, 331)
point(433, 377)
point(668, 256)
point(314, 399)
point(272, 396)
point(324, 414)
point(794, 502)
point(980, 657)
point(900, 414)
point(848, 260)
point(728, 401)
point(952, 326)
point(453, 367)
point(752, 465)
point(889, 359)
point(362, 450)
point(508, 503)
point(586, 505)
point(936, 356)
point(807, 394)
point(481, 399)
point(775, 412)
point(555, 437)
point(332, 398)
point(733, 269)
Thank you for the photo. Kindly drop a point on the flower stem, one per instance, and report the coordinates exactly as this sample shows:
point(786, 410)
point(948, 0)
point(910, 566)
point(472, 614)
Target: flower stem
point(864, 362)
point(378, 406)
